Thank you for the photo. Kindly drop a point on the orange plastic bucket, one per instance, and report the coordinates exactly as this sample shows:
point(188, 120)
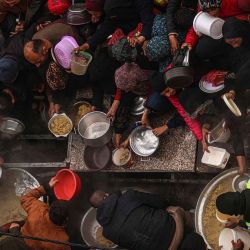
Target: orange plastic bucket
point(68, 185)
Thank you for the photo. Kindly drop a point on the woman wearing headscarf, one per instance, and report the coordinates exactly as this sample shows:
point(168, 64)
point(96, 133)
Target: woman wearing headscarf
point(169, 30)
point(236, 33)
point(206, 47)
point(131, 82)
point(236, 203)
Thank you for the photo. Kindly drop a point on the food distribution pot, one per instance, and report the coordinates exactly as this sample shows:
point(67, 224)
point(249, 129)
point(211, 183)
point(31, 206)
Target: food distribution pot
point(95, 129)
point(143, 142)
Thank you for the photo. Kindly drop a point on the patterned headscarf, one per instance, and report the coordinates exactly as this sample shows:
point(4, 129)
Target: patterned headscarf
point(56, 77)
point(208, 4)
point(130, 77)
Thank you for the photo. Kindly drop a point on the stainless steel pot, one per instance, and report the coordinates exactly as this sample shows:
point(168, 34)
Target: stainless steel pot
point(11, 127)
point(143, 142)
point(204, 197)
point(138, 108)
point(89, 226)
point(78, 15)
point(95, 129)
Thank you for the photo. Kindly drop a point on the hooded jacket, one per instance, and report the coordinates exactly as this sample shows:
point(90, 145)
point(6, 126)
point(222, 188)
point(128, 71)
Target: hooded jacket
point(136, 220)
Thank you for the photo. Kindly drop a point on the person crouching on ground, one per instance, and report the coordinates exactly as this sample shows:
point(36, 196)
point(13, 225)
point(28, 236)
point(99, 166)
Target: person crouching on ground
point(140, 221)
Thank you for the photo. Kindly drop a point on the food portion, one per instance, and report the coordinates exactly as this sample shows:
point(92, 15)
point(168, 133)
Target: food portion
point(212, 227)
point(82, 111)
point(60, 125)
point(101, 240)
point(121, 156)
point(81, 59)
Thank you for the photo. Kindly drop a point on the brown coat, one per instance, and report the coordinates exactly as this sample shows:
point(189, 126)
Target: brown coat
point(38, 223)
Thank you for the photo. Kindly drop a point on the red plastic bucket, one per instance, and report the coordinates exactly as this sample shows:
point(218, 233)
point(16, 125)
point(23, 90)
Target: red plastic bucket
point(68, 185)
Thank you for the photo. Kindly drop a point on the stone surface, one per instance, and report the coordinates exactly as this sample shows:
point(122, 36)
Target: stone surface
point(176, 153)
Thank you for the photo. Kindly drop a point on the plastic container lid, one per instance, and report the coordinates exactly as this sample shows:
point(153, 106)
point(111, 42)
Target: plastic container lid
point(231, 105)
point(217, 157)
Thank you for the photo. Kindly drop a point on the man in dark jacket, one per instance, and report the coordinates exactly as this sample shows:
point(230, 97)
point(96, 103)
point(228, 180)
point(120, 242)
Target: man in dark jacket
point(124, 15)
point(137, 220)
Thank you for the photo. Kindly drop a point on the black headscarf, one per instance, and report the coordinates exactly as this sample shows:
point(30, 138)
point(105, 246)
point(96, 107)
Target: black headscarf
point(234, 27)
point(193, 241)
point(232, 203)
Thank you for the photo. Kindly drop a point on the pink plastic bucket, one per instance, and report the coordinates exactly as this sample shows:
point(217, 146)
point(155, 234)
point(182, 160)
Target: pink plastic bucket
point(63, 51)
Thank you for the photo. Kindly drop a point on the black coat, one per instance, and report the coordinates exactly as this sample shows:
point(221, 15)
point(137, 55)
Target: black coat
point(136, 220)
point(124, 17)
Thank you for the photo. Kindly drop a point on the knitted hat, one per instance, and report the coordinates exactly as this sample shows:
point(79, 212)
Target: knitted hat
point(58, 7)
point(8, 69)
point(94, 5)
point(208, 4)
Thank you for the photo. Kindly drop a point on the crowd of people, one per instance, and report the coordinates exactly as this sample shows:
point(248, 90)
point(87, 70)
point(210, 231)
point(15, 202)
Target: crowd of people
point(134, 43)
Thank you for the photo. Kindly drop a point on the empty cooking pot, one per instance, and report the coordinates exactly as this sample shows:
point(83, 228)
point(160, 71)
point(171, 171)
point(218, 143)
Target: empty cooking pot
point(11, 127)
point(219, 134)
point(95, 129)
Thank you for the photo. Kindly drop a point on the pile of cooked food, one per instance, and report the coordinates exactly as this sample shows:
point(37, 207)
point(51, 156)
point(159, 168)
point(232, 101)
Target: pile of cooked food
point(101, 240)
point(121, 156)
point(61, 125)
point(212, 227)
point(82, 111)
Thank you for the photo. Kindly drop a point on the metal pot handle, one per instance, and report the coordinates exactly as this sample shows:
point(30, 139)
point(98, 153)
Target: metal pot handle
point(186, 59)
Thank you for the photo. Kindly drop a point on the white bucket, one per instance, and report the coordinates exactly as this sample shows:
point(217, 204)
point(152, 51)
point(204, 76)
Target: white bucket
point(218, 157)
point(77, 67)
point(208, 25)
point(227, 235)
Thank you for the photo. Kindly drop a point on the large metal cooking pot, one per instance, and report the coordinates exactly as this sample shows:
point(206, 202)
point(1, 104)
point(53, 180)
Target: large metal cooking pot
point(89, 225)
point(11, 127)
point(78, 15)
point(95, 129)
point(203, 199)
point(143, 142)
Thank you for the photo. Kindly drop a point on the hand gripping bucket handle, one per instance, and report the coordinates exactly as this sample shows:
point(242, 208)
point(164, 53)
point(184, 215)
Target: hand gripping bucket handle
point(186, 58)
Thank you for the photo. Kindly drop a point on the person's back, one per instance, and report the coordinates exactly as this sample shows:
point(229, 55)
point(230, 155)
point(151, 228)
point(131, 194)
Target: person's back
point(136, 220)
point(39, 221)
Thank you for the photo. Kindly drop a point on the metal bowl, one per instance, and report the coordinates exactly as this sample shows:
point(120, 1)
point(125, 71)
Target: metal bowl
point(143, 142)
point(74, 116)
point(138, 106)
point(78, 15)
point(203, 199)
point(88, 229)
point(239, 181)
point(11, 126)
